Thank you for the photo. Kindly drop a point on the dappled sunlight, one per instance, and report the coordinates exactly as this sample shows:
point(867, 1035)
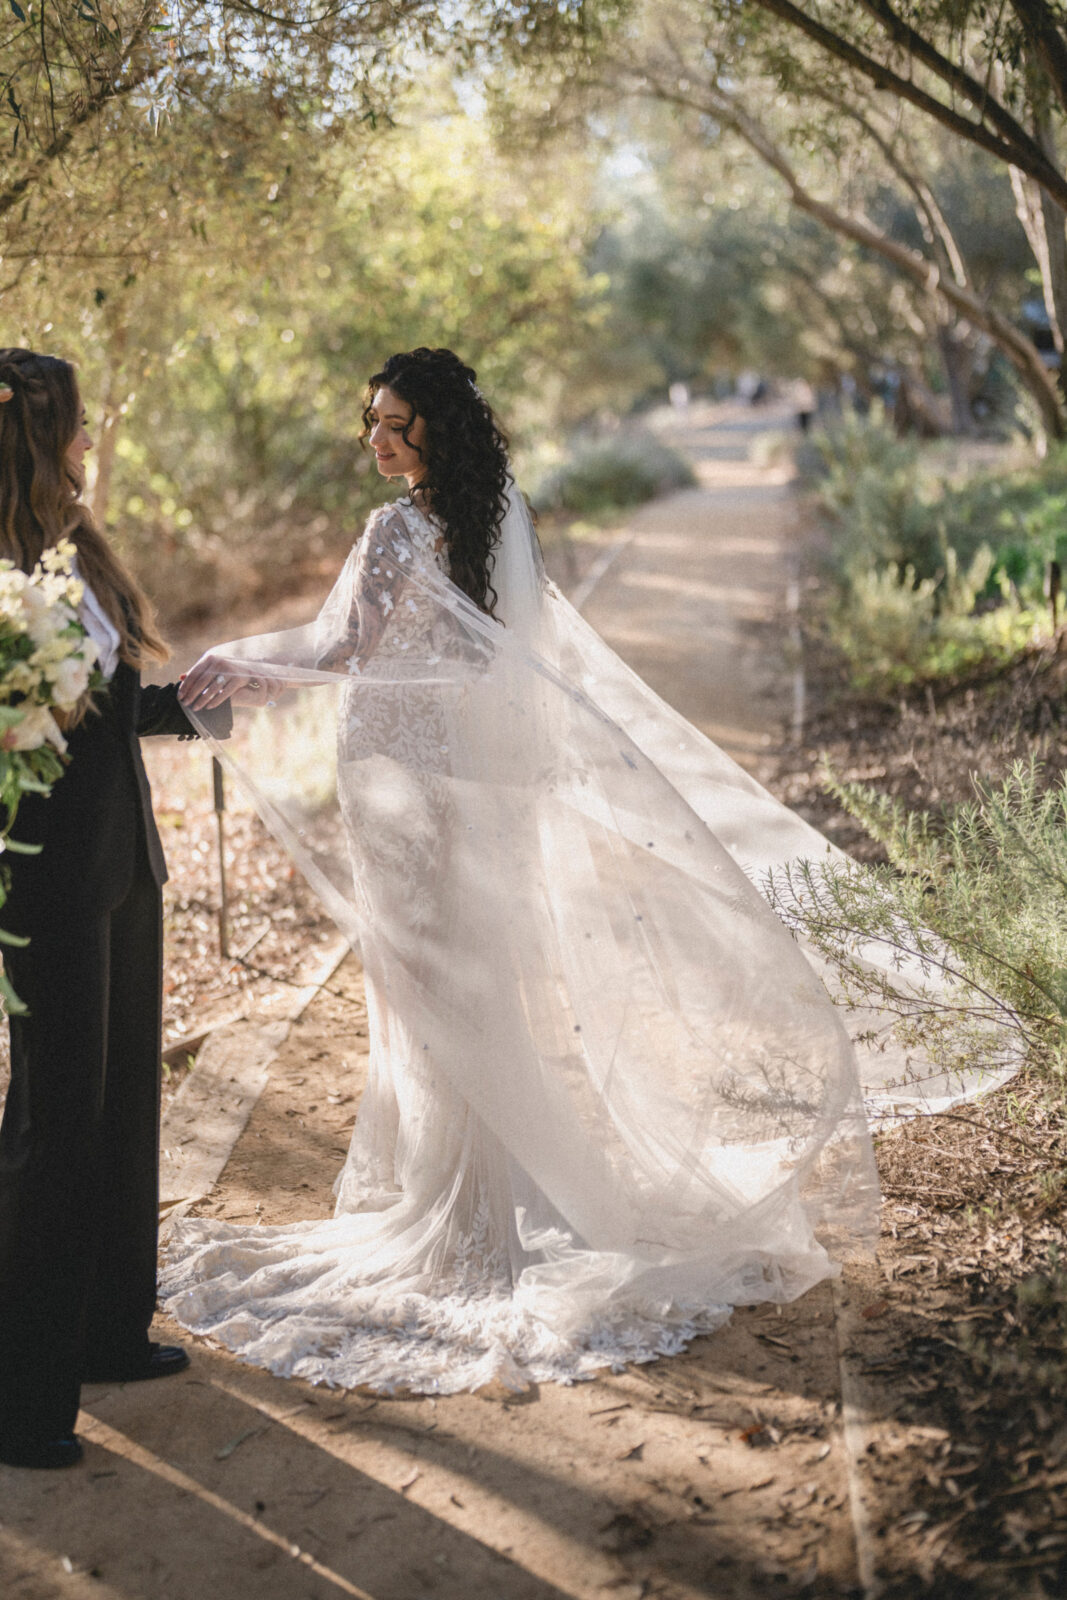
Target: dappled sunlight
point(726, 474)
point(770, 301)
point(642, 1477)
point(696, 591)
point(107, 1438)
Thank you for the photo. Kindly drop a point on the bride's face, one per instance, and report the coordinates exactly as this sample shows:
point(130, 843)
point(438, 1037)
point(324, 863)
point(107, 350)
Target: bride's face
point(396, 456)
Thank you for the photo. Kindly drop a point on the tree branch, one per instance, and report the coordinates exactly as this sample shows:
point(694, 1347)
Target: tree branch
point(1048, 42)
point(1012, 144)
point(937, 223)
point(115, 87)
point(721, 106)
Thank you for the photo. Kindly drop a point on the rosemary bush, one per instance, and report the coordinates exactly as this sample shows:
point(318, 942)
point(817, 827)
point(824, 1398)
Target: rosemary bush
point(972, 909)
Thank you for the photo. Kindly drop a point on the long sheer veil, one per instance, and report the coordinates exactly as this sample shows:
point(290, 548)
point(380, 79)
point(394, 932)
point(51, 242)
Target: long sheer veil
point(600, 1063)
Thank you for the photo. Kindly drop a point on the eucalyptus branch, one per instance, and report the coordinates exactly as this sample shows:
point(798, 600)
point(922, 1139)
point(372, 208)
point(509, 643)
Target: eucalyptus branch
point(48, 75)
point(121, 82)
point(294, 24)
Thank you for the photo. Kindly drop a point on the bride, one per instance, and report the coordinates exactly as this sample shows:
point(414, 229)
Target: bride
point(609, 1097)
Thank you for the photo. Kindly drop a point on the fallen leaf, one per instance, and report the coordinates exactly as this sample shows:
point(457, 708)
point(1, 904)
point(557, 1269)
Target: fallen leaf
point(760, 1435)
point(625, 1533)
point(228, 1449)
point(874, 1310)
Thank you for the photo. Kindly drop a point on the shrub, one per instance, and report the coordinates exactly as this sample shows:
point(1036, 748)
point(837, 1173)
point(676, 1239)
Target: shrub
point(932, 578)
point(897, 629)
point(977, 894)
point(606, 474)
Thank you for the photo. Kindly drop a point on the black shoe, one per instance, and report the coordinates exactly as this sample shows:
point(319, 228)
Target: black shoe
point(65, 1451)
point(154, 1361)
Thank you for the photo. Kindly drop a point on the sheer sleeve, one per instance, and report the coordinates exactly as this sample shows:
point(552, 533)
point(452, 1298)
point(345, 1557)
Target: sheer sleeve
point(364, 605)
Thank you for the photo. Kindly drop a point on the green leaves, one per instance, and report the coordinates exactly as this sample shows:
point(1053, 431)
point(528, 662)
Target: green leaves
point(10, 1001)
point(978, 892)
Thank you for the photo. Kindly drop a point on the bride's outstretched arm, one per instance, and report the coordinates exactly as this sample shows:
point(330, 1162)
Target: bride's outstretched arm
point(351, 629)
point(345, 635)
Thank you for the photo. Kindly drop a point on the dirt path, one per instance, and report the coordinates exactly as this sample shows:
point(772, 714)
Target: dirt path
point(721, 1473)
point(695, 602)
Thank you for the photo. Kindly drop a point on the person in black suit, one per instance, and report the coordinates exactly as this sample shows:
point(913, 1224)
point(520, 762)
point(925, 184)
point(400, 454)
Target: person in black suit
point(79, 1141)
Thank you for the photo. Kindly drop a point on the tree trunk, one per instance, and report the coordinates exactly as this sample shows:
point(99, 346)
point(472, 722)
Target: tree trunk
point(965, 302)
point(957, 359)
point(1043, 222)
point(114, 398)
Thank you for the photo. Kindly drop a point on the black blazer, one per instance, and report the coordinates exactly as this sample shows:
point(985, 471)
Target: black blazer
point(97, 828)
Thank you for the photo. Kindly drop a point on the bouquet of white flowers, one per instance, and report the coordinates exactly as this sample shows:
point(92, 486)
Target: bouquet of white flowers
point(47, 662)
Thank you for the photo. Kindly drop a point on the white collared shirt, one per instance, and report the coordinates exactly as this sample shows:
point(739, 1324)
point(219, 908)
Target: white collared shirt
point(98, 625)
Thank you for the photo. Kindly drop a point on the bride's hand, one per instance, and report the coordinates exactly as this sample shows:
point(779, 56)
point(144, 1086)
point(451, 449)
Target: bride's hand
point(215, 679)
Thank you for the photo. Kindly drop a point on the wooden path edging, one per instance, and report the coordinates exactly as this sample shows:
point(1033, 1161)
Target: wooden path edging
point(211, 1109)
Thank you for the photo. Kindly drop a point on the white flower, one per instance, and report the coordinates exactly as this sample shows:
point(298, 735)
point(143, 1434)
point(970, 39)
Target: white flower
point(60, 557)
point(21, 678)
point(70, 678)
point(37, 728)
point(12, 579)
point(45, 617)
point(42, 607)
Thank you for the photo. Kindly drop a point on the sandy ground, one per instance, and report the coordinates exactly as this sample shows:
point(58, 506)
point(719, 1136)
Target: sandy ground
point(696, 603)
point(721, 1473)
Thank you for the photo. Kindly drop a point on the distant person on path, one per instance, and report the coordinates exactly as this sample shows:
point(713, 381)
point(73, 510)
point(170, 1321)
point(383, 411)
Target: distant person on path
point(79, 1141)
point(678, 394)
point(750, 387)
point(805, 404)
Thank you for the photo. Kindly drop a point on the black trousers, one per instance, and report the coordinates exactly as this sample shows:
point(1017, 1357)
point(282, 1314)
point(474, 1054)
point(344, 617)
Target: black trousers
point(79, 1154)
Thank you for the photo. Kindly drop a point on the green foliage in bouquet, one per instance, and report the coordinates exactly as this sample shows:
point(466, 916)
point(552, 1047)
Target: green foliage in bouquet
point(46, 666)
point(973, 899)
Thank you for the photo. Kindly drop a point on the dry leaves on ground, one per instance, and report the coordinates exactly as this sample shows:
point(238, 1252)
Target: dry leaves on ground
point(963, 1334)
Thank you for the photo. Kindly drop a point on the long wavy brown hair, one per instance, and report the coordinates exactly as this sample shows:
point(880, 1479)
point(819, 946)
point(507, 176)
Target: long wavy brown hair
point(40, 495)
point(466, 455)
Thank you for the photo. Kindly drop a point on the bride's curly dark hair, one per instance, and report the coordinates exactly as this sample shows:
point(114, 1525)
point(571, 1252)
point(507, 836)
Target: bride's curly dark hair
point(466, 457)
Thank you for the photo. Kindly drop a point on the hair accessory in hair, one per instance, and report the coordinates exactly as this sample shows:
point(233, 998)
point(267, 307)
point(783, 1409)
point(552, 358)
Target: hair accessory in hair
point(6, 393)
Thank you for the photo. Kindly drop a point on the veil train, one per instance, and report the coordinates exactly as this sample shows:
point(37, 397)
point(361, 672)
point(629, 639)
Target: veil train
point(609, 1096)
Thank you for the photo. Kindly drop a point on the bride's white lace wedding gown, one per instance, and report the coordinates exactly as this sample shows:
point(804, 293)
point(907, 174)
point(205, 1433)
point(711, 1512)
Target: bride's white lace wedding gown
point(609, 1097)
